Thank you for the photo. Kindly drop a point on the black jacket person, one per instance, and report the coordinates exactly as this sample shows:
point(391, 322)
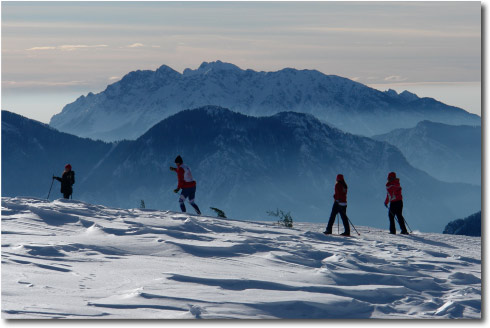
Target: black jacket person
point(67, 180)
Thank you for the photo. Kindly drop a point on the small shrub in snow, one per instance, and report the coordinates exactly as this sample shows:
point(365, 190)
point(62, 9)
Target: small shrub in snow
point(219, 212)
point(285, 219)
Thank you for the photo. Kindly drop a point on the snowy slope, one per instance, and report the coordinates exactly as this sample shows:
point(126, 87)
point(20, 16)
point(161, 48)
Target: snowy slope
point(128, 108)
point(69, 259)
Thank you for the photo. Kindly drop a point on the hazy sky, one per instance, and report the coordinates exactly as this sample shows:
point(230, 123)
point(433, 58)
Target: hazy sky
point(52, 52)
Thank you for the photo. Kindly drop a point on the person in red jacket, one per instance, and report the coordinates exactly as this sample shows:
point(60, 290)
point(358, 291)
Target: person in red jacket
point(186, 183)
point(395, 199)
point(339, 206)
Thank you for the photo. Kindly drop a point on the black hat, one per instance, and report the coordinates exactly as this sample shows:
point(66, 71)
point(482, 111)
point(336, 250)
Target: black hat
point(178, 160)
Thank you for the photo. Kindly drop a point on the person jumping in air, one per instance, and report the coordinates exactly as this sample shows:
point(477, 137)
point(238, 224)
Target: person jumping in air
point(67, 180)
point(186, 183)
point(339, 206)
point(394, 197)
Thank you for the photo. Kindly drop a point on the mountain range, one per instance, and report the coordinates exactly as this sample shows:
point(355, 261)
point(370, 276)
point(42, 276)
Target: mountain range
point(243, 165)
point(447, 152)
point(128, 108)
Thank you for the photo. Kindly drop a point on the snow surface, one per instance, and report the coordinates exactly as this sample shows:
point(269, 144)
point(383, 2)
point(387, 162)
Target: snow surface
point(70, 259)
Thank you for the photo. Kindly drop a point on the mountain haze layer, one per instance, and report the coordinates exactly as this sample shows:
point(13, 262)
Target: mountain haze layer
point(247, 165)
point(128, 108)
point(447, 152)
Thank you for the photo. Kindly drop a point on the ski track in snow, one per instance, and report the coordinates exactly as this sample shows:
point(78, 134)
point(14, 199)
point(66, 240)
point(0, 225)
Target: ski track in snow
point(69, 259)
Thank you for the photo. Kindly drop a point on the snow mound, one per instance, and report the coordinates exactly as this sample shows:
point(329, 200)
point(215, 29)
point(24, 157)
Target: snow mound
point(69, 259)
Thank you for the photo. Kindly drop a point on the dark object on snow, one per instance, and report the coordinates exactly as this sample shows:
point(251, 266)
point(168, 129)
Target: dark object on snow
point(67, 180)
point(470, 226)
point(219, 212)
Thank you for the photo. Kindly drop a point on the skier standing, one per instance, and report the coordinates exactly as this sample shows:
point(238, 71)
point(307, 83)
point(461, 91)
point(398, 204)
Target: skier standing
point(339, 206)
point(394, 197)
point(186, 183)
point(67, 180)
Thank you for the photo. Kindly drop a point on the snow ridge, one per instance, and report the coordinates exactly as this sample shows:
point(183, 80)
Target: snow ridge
point(69, 259)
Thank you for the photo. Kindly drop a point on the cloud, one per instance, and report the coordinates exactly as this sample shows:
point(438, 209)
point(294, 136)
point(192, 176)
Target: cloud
point(392, 31)
point(67, 47)
point(136, 45)
point(74, 47)
point(42, 83)
point(41, 48)
point(395, 78)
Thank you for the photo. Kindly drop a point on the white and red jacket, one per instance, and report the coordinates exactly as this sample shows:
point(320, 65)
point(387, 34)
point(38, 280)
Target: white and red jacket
point(394, 191)
point(184, 176)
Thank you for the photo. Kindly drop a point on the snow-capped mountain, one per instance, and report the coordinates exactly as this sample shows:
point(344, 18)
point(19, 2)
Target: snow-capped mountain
point(66, 259)
point(447, 152)
point(247, 166)
point(129, 107)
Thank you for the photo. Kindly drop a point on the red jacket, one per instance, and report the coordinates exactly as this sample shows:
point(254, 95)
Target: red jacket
point(184, 176)
point(394, 191)
point(340, 193)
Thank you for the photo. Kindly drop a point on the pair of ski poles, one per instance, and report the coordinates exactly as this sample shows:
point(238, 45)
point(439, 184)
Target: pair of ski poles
point(396, 216)
point(350, 222)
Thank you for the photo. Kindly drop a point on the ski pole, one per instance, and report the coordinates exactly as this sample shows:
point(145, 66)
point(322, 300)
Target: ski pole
point(396, 217)
point(52, 180)
point(407, 224)
point(353, 226)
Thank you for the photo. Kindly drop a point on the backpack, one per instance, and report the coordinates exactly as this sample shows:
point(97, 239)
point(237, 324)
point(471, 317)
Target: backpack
point(187, 173)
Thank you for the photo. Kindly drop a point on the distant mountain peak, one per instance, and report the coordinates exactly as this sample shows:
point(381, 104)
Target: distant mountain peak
point(166, 69)
point(406, 96)
point(409, 96)
point(216, 66)
point(129, 107)
point(391, 93)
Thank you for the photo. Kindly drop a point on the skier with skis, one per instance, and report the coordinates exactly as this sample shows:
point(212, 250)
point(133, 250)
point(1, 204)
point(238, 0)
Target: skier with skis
point(67, 180)
point(339, 206)
point(395, 199)
point(186, 183)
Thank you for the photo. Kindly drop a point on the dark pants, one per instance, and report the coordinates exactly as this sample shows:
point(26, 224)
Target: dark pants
point(66, 195)
point(191, 194)
point(336, 208)
point(396, 208)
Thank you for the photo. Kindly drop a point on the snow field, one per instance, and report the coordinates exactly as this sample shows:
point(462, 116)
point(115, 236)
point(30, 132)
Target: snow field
point(69, 259)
